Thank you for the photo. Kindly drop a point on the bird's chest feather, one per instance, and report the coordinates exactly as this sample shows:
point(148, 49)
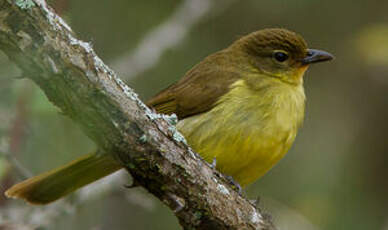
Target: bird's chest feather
point(247, 131)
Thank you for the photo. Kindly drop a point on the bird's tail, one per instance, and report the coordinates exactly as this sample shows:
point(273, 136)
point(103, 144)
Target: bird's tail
point(52, 185)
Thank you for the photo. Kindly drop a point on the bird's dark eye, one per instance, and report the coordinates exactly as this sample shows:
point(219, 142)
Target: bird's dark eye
point(280, 56)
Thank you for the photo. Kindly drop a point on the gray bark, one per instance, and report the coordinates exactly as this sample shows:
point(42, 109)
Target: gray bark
point(76, 80)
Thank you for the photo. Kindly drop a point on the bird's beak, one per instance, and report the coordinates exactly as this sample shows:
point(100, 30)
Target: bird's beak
point(314, 56)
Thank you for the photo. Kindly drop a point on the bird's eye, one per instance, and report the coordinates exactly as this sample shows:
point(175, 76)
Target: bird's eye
point(280, 56)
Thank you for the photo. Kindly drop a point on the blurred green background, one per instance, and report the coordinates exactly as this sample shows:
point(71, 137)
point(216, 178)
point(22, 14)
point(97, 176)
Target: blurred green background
point(334, 177)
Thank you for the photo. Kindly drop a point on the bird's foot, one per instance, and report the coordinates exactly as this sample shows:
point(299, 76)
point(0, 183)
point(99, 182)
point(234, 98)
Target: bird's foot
point(256, 203)
point(214, 163)
point(235, 184)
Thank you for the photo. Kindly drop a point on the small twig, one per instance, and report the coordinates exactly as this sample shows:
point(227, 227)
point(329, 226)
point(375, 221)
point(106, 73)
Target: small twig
point(15, 163)
point(165, 36)
point(46, 216)
point(17, 134)
point(37, 216)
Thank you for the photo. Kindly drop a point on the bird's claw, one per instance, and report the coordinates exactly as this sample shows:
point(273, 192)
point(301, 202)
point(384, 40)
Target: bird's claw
point(235, 184)
point(230, 179)
point(214, 163)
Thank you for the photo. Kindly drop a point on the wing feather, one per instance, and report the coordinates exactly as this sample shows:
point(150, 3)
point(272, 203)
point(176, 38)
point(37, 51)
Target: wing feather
point(199, 89)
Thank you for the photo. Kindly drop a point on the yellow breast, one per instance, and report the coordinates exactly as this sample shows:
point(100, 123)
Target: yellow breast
point(249, 130)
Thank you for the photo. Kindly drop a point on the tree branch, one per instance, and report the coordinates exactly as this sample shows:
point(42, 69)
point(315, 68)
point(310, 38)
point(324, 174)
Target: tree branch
point(76, 80)
point(167, 35)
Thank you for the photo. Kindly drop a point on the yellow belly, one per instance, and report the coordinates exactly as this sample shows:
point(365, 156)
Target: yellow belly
point(247, 132)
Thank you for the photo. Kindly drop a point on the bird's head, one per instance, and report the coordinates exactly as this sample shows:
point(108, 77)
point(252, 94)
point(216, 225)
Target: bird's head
point(279, 53)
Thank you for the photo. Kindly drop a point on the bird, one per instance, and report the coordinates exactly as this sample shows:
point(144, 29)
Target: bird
point(240, 107)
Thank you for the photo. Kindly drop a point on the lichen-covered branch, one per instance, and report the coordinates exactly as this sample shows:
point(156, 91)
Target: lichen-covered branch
point(76, 80)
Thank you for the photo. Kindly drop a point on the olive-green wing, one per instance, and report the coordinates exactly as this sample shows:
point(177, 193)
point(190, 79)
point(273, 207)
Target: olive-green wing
point(198, 90)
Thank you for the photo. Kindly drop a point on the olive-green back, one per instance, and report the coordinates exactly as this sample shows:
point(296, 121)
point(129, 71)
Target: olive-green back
point(199, 89)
